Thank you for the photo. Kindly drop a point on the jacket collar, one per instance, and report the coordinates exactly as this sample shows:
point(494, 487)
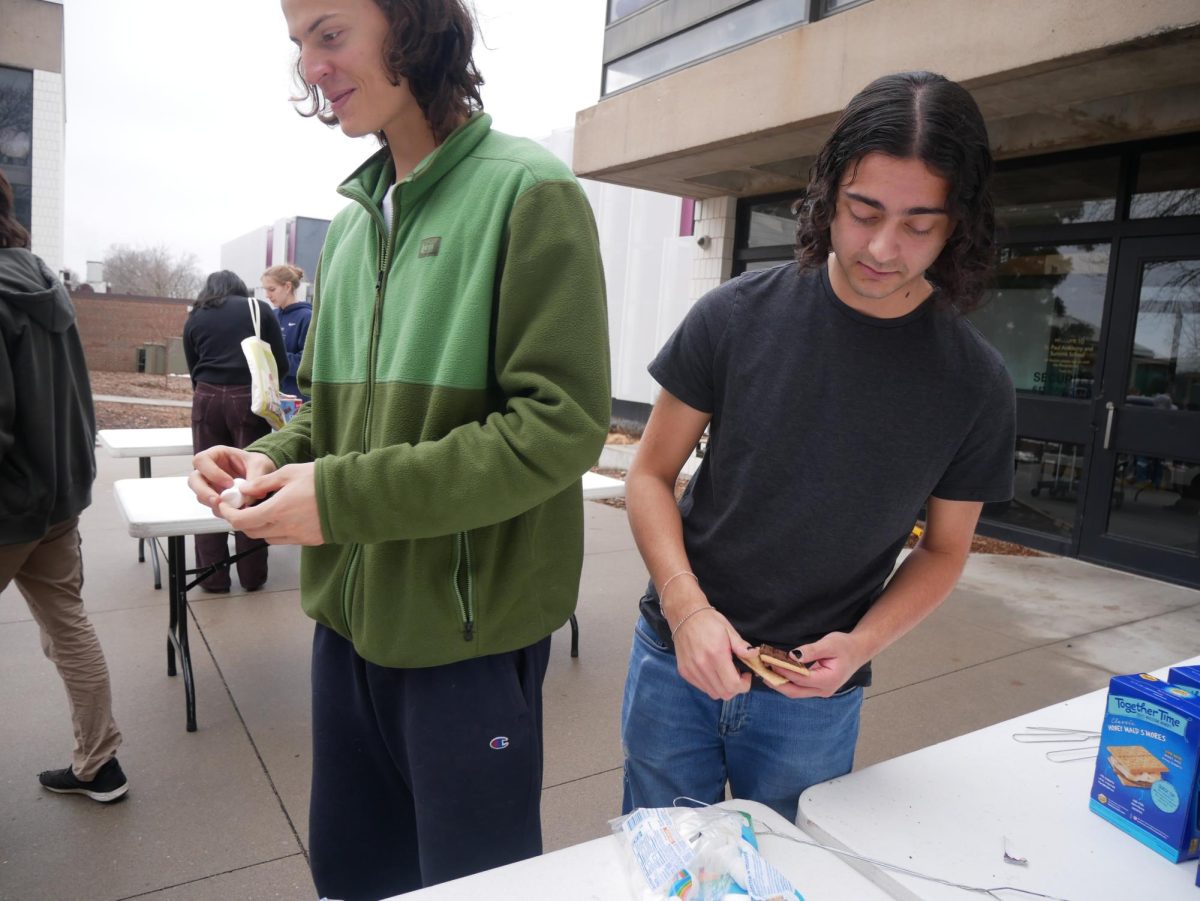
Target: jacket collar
point(370, 181)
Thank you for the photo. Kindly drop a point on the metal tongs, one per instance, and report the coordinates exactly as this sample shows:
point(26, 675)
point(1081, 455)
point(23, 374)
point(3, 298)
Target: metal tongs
point(1041, 734)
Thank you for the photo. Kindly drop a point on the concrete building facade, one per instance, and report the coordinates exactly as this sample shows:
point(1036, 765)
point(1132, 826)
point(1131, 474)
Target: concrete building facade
point(296, 241)
point(33, 119)
point(1093, 112)
point(647, 245)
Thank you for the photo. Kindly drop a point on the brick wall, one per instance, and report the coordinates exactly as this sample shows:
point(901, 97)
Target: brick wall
point(114, 326)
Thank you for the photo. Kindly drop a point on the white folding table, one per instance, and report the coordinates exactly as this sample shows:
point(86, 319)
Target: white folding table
point(156, 508)
point(598, 487)
point(947, 810)
point(145, 444)
point(594, 871)
point(165, 507)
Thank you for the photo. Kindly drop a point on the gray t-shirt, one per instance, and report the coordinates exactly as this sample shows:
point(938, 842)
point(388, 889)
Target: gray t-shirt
point(830, 429)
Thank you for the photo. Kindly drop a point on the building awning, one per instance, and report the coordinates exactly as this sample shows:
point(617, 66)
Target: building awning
point(1049, 76)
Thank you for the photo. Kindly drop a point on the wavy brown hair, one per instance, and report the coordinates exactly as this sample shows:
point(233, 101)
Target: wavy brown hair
point(12, 232)
point(428, 45)
point(913, 115)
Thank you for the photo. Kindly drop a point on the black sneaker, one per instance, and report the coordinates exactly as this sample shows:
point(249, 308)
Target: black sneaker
point(110, 783)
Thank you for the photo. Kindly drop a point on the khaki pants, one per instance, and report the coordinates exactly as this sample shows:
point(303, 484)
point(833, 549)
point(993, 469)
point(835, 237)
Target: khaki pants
point(49, 573)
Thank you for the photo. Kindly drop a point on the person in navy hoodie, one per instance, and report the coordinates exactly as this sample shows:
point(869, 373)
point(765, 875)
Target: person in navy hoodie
point(281, 283)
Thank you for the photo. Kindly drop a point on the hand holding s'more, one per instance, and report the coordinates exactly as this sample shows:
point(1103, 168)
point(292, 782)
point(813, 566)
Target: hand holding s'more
point(769, 662)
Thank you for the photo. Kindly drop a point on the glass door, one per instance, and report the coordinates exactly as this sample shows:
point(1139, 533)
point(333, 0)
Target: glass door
point(1143, 495)
point(1045, 314)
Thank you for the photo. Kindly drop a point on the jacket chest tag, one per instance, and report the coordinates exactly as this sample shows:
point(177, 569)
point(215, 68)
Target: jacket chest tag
point(430, 247)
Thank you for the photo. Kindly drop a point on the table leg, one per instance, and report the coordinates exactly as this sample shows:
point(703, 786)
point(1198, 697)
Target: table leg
point(144, 473)
point(177, 634)
point(574, 636)
point(154, 563)
point(172, 612)
point(177, 627)
point(177, 613)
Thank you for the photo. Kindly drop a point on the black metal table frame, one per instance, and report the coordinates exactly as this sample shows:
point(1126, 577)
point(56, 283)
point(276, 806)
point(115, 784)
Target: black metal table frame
point(177, 629)
point(144, 473)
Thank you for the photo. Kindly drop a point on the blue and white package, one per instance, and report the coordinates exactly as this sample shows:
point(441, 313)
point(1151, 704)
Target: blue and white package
point(697, 854)
point(1146, 771)
point(1188, 676)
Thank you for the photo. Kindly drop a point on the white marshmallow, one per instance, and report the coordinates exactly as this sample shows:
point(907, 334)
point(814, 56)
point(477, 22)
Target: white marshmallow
point(233, 495)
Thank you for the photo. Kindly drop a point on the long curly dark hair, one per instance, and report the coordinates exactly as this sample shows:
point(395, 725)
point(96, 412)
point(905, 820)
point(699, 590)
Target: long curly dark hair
point(429, 45)
point(913, 115)
point(217, 287)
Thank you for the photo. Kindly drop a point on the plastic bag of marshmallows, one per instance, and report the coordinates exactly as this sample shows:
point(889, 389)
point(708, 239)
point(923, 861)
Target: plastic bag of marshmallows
point(696, 854)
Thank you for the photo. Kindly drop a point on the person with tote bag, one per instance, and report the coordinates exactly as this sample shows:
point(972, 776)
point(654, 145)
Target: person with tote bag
point(219, 322)
point(280, 283)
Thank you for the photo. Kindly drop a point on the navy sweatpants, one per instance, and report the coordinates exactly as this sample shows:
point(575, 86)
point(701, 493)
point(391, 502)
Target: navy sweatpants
point(422, 775)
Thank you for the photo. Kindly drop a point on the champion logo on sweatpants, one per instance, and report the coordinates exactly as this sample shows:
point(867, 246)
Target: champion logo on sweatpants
point(499, 743)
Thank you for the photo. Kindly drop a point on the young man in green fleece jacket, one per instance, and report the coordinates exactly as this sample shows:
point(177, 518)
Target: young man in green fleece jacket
point(458, 368)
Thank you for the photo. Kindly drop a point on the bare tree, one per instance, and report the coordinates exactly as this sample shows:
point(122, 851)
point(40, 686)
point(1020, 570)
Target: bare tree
point(151, 271)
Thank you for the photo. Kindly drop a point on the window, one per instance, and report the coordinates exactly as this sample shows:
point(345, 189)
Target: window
point(766, 232)
point(1044, 315)
point(687, 217)
point(1057, 193)
point(1046, 487)
point(829, 7)
point(1168, 184)
point(16, 117)
point(23, 203)
point(1156, 500)
point(16, 137)
point(772, 224)
point(619, 9)
point(1165, 370)
point(725, 32)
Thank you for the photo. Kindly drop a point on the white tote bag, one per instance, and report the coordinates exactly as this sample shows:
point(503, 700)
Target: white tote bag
point(264, 374)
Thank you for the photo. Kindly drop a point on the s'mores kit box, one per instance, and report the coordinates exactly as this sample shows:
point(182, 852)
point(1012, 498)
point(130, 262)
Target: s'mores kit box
point(1185, 676)
point(1146, 772)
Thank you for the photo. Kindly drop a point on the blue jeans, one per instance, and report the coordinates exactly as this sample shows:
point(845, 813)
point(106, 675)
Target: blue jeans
point(679, 742)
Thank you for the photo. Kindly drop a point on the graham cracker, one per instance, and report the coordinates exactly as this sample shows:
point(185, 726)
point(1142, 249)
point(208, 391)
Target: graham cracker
point(755, 664)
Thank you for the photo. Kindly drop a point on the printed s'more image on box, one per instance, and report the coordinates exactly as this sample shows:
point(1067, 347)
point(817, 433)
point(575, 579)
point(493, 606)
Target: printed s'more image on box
point(1135, 766)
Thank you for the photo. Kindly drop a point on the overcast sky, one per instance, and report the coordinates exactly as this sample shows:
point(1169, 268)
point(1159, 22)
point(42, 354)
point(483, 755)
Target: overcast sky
point(179, 130)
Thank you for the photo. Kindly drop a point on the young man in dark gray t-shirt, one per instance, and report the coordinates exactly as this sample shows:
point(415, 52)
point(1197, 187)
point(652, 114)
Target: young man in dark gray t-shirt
point(842, 393)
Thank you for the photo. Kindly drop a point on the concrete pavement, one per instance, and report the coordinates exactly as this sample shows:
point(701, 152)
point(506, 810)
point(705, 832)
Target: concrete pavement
point(222, 813)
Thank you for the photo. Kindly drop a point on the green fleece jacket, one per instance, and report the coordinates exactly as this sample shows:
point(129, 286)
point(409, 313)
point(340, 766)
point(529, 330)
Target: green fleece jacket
point(458, 369)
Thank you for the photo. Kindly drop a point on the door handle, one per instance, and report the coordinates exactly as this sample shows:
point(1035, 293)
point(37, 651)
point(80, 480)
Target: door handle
point(1112, 408)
